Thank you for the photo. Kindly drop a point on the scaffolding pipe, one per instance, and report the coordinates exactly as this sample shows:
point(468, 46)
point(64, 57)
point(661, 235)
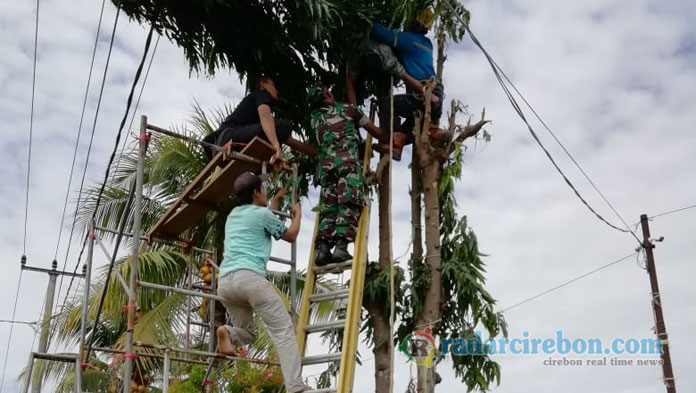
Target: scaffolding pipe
point(85, 295)
point(150, 285)
point(233, 154)
point(293, 250)
point(211, 316)
point(78, 375)
point(165, 379)
point(149, 355)
point(147, 239)
point(27, 375)
point(196, 352)
point(137, 216)
point(189, 286)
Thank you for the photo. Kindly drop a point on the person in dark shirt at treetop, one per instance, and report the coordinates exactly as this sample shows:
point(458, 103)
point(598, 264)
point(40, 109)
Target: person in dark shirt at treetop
point(415, 51)
point(254, 117)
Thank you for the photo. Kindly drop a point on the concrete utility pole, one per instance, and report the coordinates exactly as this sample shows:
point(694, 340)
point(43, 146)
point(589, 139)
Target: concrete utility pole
point(47, 314)
point(660, 327)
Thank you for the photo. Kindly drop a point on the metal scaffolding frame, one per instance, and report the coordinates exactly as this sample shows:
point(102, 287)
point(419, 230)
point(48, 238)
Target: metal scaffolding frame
point(130, 286)
point(209, 292)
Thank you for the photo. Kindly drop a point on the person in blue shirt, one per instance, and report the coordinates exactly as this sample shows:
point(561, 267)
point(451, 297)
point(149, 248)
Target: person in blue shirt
point(249, 230)
point(415, 51)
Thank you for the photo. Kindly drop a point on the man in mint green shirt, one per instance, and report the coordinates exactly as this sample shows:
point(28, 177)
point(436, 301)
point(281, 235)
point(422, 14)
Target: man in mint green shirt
point(243, 284)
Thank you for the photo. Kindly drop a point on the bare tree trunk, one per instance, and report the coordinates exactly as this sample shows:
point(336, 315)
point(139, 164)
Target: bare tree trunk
point(380, 316)
point(430, 168)
point(416, 210)
point(430, 316)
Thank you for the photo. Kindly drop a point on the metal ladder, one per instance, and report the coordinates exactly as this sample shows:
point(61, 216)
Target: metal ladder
point(354, 294)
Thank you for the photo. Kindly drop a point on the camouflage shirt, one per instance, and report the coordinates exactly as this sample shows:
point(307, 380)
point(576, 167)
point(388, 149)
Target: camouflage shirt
point(337, 132)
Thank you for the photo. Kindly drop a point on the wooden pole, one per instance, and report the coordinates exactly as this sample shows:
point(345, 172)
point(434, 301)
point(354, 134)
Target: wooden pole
point(660, 328)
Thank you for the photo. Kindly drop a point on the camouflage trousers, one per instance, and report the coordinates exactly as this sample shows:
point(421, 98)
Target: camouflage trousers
point(342, 201)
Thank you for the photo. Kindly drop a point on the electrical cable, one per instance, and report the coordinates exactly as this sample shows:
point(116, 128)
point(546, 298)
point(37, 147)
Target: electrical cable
point(84, 173)
point(79, 133)
point(501, 80)
point(631, 255)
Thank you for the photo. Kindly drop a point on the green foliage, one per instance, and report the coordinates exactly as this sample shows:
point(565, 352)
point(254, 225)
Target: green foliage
point(192, 384)
point(376, 293)
point(468, 306)
point(252, 378)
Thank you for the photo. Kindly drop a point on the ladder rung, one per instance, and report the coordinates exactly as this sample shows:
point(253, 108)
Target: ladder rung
point(319, 359)
point(321, 327)
point(331, 295)
point(334, 267)
point(329, 390)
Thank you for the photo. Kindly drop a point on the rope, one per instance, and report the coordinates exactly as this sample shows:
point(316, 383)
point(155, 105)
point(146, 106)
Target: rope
point(9, 338)
point(497, 71)
point(79, 133)
point(84, 172)
point(31, 127)
point(391, 257)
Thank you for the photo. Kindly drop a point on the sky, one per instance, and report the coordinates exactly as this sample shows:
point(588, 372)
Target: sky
point(614, 79)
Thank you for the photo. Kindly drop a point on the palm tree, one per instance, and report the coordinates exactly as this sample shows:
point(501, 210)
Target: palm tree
point(169, 168)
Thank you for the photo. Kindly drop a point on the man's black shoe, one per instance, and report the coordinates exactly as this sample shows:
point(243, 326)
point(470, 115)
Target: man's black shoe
point(323, 253)
point(341, 253)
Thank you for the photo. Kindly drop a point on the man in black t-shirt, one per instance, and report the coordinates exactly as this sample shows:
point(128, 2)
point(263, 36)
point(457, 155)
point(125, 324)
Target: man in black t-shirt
point(253, 117)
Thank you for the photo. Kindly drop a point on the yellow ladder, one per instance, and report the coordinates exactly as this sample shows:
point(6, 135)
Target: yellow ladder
point(354, 294)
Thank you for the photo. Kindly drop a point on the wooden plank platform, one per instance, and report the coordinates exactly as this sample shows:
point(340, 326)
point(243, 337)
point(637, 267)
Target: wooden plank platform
point(201, 197)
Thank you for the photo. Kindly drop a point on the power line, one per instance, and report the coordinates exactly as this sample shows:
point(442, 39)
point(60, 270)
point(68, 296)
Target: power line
point(570, 281)
point(79, 133)
point(31, 125)
point(124, 217)
point(9, 338)
point(89, 151)
point(137, 104)
point(587, 177)
point(26, 203)
point(501, 80)
point(672, 211)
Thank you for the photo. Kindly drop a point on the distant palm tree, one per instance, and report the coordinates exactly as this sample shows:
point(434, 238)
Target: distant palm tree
point(169, 167)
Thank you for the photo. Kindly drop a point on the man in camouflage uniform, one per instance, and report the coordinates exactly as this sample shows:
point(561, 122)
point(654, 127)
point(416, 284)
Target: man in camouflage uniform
point(340, 174)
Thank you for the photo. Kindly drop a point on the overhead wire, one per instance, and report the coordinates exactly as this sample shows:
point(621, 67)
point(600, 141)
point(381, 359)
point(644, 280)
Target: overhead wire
point(84, 172)
point(557, 287)
point(9, 337)
point(129, 102)
point(137, 104)
point(26, 201)
point(672, 211)
point(31, 125)
point(79, 133)
point(497, 71)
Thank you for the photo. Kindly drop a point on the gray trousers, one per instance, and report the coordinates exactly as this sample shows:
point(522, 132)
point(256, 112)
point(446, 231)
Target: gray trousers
point(246, 292)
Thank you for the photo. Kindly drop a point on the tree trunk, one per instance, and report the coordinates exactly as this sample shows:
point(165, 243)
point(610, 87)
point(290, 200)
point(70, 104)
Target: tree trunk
point(430, 316)
point(380, 317)
point(382, 350)
point(430, 168)
point(416, 210)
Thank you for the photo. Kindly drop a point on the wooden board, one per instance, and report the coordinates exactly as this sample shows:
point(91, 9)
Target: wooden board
point(179, 203)
point(220, 189)
point(193, 204)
